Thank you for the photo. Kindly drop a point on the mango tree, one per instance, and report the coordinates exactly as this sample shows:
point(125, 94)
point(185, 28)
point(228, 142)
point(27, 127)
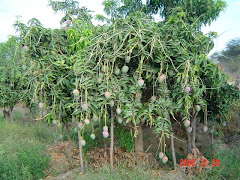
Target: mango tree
point(48, 54)
point(133, 69)
point(11, 85)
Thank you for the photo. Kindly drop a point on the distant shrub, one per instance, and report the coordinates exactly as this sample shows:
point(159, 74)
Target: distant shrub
point(22, 160)
point(22, 150)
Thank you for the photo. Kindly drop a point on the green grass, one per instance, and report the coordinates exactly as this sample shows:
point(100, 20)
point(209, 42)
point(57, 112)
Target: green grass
point(22, 149)
point(16, 115)
point(229, 167)
point(137, 173)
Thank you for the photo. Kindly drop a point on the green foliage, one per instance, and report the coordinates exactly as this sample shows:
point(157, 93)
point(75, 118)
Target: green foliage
point(11, 72)
point(50, 77)
point(78, 35)
point(70, 9)
point(61, 60)
point(131, 6)
point(22, 160)
point(98, 142)
point(195, 12)
point(22, 151)
point(120, 173)
point(124, 138)
point(222, 98)
point(110, 8)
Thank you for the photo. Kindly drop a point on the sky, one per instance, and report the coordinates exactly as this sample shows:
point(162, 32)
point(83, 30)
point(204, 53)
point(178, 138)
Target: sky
point(227, 25)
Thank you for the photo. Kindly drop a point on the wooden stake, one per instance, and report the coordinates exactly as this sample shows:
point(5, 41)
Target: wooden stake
point(80, 152)
point(112, 140)
point(173, 152)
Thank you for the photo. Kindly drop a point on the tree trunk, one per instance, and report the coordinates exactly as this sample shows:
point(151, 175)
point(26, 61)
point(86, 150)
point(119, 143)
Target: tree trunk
point(173, 152)
point(11, 111)
point(135, 146)
point(194, 126)
point(7, 114)
point(112, 140)
point(70, 145)
point(80, 152)
point(140, 138)
point(138, 141)
point(212, 139)
point(11, 108)
point(189, 146)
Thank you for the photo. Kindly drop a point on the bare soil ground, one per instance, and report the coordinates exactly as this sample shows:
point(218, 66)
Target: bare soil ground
point(98, 158)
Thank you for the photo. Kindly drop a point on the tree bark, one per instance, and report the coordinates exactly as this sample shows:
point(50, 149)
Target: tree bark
point(135, 146)
point(140, 138)
point(11, 111)
point(112, 140)
point(212, 139)
point(80, 152)
point(11, 108)
point(189, 146)
point(173, 152)
point(138, 141)
point(7, 113)
point(194, 124)
point(70, 144)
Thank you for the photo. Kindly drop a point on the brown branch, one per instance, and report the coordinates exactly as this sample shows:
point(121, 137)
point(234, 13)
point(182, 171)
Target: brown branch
point(59, 50)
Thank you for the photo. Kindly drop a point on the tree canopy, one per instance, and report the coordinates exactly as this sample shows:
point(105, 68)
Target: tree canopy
point(11, 72)
point(195, 12)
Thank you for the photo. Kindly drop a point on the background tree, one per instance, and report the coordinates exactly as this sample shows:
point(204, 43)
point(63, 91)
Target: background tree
point(195, 12)
point(11, 72)
point(71, 10)
point(229, 57)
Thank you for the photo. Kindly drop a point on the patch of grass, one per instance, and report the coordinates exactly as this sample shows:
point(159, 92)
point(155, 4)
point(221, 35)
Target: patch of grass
point(42, 131)
point(27, 130)
point(137, 173)
point(229, 167)
point(16, 115)
point(22, 149)
point(22, 160)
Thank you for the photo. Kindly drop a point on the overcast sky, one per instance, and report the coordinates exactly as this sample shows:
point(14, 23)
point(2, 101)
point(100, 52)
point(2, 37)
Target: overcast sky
point(227, 26)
